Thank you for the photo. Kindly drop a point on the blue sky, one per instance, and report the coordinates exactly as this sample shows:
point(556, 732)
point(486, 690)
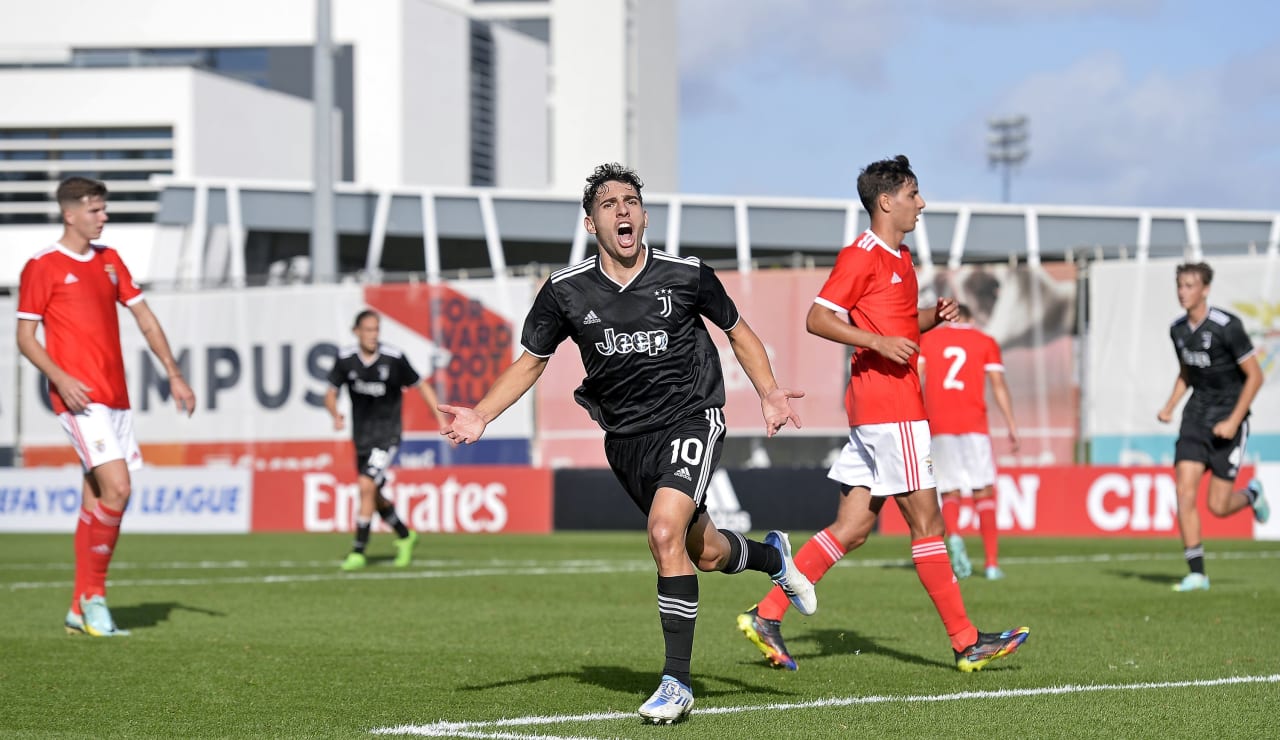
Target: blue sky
point(1130, 102)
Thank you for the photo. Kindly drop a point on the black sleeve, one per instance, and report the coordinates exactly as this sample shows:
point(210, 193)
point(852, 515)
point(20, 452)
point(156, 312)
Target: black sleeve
point(544, 327)
point(337, 374)
point(1238, 341)
point(408, 376)
point(713, 301)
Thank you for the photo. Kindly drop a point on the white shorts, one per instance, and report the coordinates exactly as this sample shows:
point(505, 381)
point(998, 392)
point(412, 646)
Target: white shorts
point(888, 459)
point(101, 434)
point(963, 462)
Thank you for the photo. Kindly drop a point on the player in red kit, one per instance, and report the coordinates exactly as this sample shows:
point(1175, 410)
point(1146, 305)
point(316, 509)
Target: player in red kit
point(72, 287)
point(869, 302)
point(956, 362)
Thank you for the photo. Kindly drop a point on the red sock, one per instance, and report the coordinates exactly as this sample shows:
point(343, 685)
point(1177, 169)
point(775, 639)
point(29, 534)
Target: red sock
point(951, 514)
point(813, 560)
point(986, 508)
point(934, 569)
point(104, 530)
point(80, 547)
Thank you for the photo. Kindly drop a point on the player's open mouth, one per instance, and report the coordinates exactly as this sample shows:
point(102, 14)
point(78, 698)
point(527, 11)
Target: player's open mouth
point(626, 235)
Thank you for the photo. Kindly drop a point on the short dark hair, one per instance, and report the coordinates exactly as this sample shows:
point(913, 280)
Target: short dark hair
point(73, 189)
point(885, 176)
point(364, 315)
point(611, 172)
point(1200, 268)
point(963, 312)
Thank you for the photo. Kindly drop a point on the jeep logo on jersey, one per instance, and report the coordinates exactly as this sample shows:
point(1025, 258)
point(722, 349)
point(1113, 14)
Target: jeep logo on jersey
point(652, 343)
point(369, 388)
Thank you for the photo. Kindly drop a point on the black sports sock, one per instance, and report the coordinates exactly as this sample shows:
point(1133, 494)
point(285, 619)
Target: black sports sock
point(745, 554)
point(1195, 558)
point(388, 515)
point(678, 610)
point(362, 535)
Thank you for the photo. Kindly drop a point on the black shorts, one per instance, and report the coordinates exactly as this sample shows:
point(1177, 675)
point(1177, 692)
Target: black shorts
point(374, 461)
point(1222, 457)
point(682, 457)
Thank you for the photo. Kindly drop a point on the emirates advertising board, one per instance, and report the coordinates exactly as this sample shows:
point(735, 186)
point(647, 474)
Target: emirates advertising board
point(1096, 501)
point(258, 360)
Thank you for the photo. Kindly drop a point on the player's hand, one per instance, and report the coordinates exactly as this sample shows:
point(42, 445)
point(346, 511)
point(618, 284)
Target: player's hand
point(74, 393)
point(1225, 429)
point(1014, 442)
point(897, 349)
point(1165, 416)
point(776, 407)
point(467, 426)
point(183, 397)
point(947, 310)
point(339, 421)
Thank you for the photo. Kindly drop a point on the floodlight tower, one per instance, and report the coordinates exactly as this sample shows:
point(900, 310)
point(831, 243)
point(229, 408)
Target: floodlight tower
point(1007, 146)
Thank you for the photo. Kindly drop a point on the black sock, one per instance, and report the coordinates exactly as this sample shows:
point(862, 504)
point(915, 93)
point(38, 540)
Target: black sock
point(745, 554)
point(362, 535)
point(678, 610)
point(1249, 494)
point(1195, 558)
point(388, 515)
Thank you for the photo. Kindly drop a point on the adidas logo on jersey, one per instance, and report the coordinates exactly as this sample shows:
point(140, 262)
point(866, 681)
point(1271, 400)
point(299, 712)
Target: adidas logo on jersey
point(684, 473)
point(70, 279)
point(591, 318)
point(896, 279)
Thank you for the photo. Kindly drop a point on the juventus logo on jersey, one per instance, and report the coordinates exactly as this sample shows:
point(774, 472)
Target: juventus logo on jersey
point(384, 372)
point(664, 297)
point(1206, 339)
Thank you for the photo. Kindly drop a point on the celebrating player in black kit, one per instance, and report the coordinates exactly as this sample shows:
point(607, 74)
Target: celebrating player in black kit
point(654, 384)
point(376, 375)
point(1218, 363)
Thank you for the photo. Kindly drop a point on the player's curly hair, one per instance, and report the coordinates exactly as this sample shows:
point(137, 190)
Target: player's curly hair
point(611, 172)
point(885, 176)
point(1200, 268)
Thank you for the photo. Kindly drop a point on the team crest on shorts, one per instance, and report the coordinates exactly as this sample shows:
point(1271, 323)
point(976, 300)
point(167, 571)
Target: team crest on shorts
point(100, 445)
point(928, 463)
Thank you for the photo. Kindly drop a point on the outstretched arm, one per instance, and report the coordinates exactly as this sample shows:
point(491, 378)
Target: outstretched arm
point(183, 397)
point(469, 423)
point(1000, 390)
point(775, 402)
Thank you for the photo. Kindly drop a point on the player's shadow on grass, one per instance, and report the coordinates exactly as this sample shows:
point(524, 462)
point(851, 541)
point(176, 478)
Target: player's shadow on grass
point(628, 681)
point(1159, 579)
point(150, 615)
point(830, 642)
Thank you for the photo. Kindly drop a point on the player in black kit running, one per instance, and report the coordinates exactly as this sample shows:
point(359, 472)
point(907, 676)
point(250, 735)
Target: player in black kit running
point(1218, 363)
point(654, 384)
point(376, 375)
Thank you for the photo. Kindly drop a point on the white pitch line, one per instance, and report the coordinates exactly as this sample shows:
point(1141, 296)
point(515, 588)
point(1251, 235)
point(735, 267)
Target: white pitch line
point(477, 729)
point(489, 568)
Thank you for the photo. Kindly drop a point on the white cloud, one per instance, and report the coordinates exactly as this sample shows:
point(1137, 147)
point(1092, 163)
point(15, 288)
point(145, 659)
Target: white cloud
point(1108, 136)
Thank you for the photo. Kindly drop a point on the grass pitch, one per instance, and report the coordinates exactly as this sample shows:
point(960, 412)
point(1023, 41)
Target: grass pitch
point(558, 637)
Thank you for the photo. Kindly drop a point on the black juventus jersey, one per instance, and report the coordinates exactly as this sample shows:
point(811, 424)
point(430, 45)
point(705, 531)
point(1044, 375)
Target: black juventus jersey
point(1210, 355)
point(649, 359)
point(376, 390)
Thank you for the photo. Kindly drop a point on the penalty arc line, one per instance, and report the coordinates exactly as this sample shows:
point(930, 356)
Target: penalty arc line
point(477, 729)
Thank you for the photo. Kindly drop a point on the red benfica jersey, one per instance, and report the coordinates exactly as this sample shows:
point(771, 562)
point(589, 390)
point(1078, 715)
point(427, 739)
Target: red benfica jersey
point(876, 287)
point(75, 296)
point(957, 358)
